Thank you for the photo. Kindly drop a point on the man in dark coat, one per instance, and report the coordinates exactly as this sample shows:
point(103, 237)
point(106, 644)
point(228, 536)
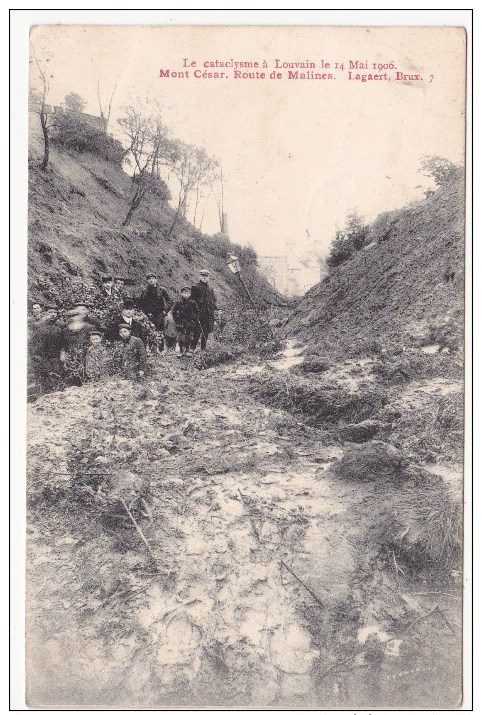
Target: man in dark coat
point(45, 351)
point(133, 360)
point(155, 302)
point(203, 295)
point(186, 318)
point(107, 287)
point(119, 287)
point(126, 317)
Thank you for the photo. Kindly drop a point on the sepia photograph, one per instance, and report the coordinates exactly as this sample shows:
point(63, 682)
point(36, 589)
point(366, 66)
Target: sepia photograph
point(245, 366)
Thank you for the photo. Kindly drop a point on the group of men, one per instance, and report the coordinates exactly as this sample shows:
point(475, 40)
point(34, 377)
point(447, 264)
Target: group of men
point(181, 325)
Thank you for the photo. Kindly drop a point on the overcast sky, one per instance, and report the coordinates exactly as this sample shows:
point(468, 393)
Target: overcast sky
point(297, 154)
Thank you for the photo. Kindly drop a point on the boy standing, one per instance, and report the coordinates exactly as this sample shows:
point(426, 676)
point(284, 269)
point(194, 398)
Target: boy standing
point(96, 357)
point(186, 318)
point(133, 354)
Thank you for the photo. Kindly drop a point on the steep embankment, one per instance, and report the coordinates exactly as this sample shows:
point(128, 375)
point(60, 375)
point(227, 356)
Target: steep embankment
point(405, 287)
point(76, 209)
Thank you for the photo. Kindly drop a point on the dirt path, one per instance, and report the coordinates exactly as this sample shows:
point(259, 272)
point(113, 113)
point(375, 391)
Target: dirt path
point(259, 582)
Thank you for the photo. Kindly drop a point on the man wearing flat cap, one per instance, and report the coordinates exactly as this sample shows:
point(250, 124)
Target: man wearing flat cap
point(186, 318)
point(155, 302)
point(118, 289)
point(133, 360)
point(204, 296)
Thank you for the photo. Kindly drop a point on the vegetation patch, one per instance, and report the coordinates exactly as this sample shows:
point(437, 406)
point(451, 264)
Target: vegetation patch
point(320, 405)
point(423, 529)
point(315, 364)
point(372, 462)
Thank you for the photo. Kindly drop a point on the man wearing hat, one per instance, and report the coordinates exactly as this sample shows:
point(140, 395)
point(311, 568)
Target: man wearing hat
point(128, 284)
point(186, 318)
point(133, 360)
point(118, 288)
point(45, 351)
point(126, 317)
point(107, 287)
point(155, 302)
point(204, 296)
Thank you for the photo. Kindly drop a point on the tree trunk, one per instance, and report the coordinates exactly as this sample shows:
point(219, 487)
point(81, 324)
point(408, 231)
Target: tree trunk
point(134, 205)
point(196, 204)
point(45, 130)
point(171, 228)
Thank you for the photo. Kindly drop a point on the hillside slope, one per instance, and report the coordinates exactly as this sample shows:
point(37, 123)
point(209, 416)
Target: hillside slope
point(76, 209)
point(406, 287)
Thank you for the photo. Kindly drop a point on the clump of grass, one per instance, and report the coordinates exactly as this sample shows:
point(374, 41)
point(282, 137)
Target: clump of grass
point(393, 368)
point(214, 356)
point(441, 535)
point(371, 462)
point(423, 527)
point(314, 364)
point(319, 404)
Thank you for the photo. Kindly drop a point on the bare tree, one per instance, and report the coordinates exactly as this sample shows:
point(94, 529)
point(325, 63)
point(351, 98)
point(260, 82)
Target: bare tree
point(39, 102)
point(217, 188)
point(105, 110)
point(206, 167)
point(150, 148)
point(192, 167)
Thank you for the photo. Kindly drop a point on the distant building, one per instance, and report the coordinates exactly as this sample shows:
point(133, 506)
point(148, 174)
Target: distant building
point(291, 278)
point(275, 270)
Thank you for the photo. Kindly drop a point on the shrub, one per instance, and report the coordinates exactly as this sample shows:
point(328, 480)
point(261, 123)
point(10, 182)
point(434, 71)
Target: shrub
point(75, 131)
point(219, 244)
point(245, 327)
point(154, 186)
point(346, 242)
point(341, 250)
point(396, 369)
point(185, 247)
point(441, 170)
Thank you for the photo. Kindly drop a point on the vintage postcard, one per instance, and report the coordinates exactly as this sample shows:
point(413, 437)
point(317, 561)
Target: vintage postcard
point(246, 278)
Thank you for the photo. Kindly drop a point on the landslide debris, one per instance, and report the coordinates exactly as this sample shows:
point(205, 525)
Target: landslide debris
point(259, 575)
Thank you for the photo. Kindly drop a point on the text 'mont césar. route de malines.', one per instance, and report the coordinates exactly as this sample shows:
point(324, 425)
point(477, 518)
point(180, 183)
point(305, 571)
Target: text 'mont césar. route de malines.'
point(306, 70)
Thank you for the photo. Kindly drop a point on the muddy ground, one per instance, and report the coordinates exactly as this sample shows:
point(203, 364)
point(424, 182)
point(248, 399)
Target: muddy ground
point(257, 572)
